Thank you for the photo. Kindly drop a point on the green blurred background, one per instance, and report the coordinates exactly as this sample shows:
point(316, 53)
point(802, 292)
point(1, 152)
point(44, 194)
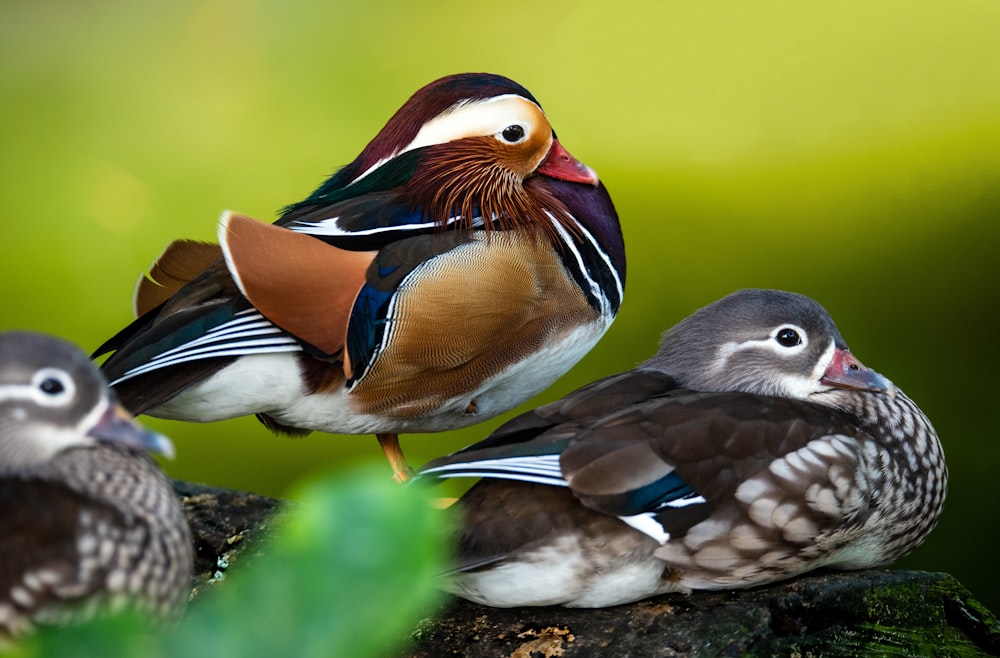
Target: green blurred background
point(848, 151)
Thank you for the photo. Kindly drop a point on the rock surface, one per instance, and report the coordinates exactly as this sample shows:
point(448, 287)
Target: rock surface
point(896, 613)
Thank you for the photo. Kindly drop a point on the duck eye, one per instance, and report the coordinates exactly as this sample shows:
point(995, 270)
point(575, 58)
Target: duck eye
point(788, 337)
point(53, 387)
point(513, 133)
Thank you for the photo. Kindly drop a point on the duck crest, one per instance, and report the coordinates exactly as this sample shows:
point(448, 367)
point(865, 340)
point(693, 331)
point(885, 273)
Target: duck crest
point(427, 102)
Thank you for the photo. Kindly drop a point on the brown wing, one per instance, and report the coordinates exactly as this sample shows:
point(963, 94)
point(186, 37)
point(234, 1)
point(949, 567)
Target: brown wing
point(180, 262)
point(503, 517)
point(710, 442)
point(594, 400)
point(299, 283)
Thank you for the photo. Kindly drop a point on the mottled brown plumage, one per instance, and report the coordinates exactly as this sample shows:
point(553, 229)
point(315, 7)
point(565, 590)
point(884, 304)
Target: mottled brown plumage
point(88, 523)
point(751, 448)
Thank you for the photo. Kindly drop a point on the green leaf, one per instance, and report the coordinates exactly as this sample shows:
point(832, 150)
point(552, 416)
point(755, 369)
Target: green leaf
point(349, 574)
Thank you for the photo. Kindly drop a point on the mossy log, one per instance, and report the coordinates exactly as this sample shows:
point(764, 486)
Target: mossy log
point(876, 612)
point(867, 613)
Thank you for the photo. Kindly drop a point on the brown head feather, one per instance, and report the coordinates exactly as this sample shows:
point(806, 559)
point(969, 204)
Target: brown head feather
point(475, 176)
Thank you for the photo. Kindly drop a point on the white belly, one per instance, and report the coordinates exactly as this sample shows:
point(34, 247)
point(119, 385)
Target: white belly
point(564, 573)
point(271, 384)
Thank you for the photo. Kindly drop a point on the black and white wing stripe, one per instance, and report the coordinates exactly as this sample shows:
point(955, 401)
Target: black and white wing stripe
point(247, 333)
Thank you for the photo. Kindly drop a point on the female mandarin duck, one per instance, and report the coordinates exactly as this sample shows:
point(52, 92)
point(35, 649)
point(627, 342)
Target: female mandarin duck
point(751, 448)
point(88, 523)
point(460, 265)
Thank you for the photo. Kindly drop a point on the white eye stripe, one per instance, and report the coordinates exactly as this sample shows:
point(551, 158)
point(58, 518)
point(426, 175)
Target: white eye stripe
point(770, 343)
point(15, 392)
point(63, 389)
point(22, 392)
point(489, 117)
point(484, 117)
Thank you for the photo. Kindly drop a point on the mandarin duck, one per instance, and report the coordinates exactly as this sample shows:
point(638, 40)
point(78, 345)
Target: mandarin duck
point(87, 521)
point(753, 447)
point(460, 265)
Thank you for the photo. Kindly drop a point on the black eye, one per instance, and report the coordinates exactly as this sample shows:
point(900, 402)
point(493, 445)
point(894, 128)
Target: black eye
point(788, 337)
point(513, 133)
point(52, 386)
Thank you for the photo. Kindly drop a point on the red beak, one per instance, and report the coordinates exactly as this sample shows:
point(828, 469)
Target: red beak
point(560, 164)
point(845, 371)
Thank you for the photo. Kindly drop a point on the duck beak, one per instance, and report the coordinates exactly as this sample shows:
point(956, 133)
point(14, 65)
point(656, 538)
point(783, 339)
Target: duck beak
point(845, 371)
point(117, 425)
point(560, 164)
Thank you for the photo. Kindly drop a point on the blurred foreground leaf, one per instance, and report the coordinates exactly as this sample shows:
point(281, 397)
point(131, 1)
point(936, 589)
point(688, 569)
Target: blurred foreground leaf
point(348, 574)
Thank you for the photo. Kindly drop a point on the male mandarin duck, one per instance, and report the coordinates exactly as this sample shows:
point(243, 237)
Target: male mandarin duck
point(87, 521)
point(752, 447)
point(459, 266)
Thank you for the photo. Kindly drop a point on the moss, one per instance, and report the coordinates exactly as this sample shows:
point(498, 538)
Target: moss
point(898, 613)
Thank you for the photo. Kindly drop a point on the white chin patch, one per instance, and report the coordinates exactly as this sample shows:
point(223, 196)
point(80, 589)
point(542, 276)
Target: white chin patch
point(803, 388)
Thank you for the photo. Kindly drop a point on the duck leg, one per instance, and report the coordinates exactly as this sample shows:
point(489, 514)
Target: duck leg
point(401, 471)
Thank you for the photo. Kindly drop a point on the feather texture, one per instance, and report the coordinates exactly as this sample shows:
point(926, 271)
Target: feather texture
point(87, 522)
point(459, 265)
point(302, 285)
point(691, 472)
point(179, 264)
